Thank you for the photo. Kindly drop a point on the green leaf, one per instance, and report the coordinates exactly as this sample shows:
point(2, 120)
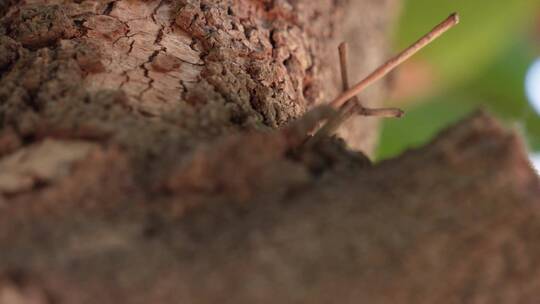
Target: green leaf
point(486, 28)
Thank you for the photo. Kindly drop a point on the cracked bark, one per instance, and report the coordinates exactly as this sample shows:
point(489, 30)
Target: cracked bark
point(149, 154)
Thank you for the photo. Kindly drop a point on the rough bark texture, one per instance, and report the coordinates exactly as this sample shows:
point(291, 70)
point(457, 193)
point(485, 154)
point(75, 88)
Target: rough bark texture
point(139, 164)
point(199, 67)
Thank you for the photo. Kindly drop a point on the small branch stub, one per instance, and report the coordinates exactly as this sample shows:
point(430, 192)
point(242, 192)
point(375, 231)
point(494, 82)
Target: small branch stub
point(348, 103)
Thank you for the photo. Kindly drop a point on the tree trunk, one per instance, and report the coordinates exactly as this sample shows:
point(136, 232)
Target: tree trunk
point(151, 152)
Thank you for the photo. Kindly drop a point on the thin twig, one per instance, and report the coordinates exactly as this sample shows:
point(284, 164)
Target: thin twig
point(343, 64)
point(345, 111)
point(397, 60)
point(349, 104)
point(382, 112)
point(351, 107)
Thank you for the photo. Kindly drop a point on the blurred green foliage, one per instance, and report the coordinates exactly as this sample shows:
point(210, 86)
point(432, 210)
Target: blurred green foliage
point(482, 63)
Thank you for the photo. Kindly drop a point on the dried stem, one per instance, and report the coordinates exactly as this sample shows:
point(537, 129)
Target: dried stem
point(343, 64)
point(354, 106)
point(397, 60)
point(349, 104)
point(351, 107)
point(333, 123)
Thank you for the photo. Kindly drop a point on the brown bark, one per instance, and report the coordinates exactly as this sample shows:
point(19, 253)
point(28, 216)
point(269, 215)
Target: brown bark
point(139, 163)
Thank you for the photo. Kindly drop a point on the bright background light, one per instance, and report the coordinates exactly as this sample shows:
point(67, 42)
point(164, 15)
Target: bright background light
point(535, 161)
point(532, 85)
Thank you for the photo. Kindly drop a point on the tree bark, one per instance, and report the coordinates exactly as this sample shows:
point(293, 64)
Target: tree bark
point(151, 152)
